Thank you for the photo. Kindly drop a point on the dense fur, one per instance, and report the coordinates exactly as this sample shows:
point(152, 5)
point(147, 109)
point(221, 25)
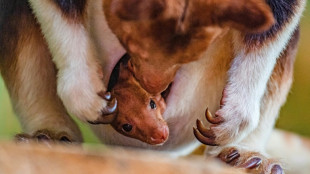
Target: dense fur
point(180, 33)
point(79, 72)
point(30, 74)
point(139, 113)
point(250, 68)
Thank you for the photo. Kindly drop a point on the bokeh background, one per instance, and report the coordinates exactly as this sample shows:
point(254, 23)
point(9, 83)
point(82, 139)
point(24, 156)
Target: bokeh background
point(295, 115)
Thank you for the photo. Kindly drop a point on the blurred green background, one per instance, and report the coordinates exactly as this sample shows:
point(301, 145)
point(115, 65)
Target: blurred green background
point(295, 115)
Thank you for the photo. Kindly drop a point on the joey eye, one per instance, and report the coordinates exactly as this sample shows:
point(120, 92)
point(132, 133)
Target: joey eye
point(152, 104)
point(127, 127)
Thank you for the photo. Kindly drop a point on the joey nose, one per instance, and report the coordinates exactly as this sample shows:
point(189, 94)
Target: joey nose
point(160, 136)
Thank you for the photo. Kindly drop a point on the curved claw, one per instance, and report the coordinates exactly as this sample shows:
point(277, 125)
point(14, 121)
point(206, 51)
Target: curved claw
point(110, 108)
point(107, 96)
point(64, 137)
point(233, 154)
point(108, 113)
point(203, 139)
point(112, 103)
point(43, 137)
point(22, 138)
point(252, 163)
point(277, 169)
point(203, 130)
point(213, 120)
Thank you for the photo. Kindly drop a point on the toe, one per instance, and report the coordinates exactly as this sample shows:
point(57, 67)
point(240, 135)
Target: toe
point(43, 135)
point(204, 131)
point(64, 137)
point(22, 138)
point(252, 163)
point(229, 156)
point(110, 108)
point(214, 120)
point(205, 140)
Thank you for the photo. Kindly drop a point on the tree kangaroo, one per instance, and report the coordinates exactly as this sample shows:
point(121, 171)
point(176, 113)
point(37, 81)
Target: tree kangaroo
point(236, 58)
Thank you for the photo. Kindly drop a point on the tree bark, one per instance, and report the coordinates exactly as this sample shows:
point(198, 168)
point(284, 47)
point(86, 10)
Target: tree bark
point(17, 158)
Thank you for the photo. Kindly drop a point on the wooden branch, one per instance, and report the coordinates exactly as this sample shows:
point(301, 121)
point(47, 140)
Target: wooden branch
point(38, 159)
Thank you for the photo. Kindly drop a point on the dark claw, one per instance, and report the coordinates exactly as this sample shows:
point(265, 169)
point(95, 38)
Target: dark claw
point(112, 103)
point(203, 139)
point(252, 163)
point(233, 154)
point(107, 114)
point(204, 131)
point(277, 169)
point(63, 137)
point(214, 120)
point(108, 96)
point(22, 138)
point(42, 137)
point(110, 108)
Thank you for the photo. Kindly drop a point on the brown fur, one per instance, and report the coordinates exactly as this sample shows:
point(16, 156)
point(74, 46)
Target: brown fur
point(159, 45)
point(284, 13)
point(134, 109)
point(277, 90)
point(30, 75)
point(176, 36)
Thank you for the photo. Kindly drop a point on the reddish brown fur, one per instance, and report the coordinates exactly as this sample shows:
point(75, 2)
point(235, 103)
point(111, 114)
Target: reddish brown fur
point(180, 34)
point(134, 108)
point(149, 125)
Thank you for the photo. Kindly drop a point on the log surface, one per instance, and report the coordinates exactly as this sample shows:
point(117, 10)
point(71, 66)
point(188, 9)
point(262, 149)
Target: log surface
point(37, 159)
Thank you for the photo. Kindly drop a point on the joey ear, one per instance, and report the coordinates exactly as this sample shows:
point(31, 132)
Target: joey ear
point(124, 73)
point(137, 9)
point(244, 15)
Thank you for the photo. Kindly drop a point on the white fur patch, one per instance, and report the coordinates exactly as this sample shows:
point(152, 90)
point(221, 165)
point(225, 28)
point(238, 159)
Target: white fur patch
point(75, 58)
point(192, 92)
point(248, 77)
